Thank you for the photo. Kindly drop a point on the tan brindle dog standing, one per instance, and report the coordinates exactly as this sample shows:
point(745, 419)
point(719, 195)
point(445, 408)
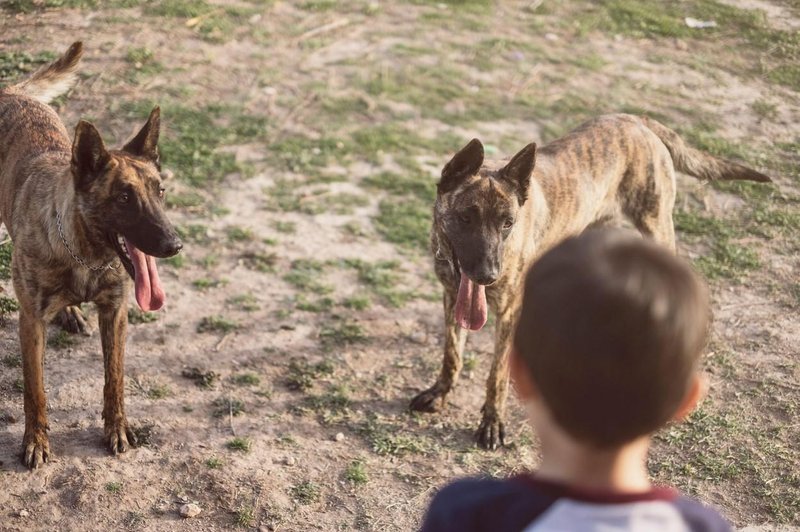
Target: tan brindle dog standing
point(82, 218)
point(492, 220)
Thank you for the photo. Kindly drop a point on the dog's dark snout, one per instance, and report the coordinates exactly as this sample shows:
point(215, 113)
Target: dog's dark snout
point(487, 276)
point(173, 246)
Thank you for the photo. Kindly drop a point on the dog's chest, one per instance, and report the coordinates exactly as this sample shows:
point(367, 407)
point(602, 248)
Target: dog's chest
point(76, 286)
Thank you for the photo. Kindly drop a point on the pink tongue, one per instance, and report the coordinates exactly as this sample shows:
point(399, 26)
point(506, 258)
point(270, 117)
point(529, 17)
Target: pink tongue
point(149, 293)
point(471, 304)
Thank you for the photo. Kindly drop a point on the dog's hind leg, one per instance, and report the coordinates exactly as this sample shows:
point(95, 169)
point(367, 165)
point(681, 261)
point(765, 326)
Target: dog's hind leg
point(433, 399)
point(113, 319)
point(491, 431)
point(72, 320)
point(31, 334)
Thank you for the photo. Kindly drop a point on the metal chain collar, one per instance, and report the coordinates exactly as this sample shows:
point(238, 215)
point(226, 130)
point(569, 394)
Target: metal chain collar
point(79, 260)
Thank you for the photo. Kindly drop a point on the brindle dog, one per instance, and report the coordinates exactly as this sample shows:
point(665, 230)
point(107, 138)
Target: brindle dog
point(491, 221)
point(82, 219)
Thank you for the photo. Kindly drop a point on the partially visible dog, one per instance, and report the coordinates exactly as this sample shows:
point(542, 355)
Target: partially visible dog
point(82, 219)
point(492, 220)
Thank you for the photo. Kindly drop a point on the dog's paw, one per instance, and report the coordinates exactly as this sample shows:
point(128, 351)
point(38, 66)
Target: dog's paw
point(119, 437)
point(431, 400)
point(491, 434)
point(36, 449)
point(73, 321)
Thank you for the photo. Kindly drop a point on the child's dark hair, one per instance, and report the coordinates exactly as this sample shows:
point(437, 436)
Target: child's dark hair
point(612, 327)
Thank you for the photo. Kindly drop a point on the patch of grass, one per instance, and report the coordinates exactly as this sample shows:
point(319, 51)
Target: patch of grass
point(788, 75)
point(114, 487)
point(305, 492)
point(382, 279)
point(12, 361)
point(261, 262)
point(321, 304)
point(228, 406)
point(194, 233)
point(14, 64)
point(19, 385)
point(341, 334)
point(185, 199)
point(190, 144)
point(724, 257)
point(387, 440)
point(205, 284)
point(136, 316)
point(285, 227)
point(728, 260)
point(158, 391)
point(245, 302)
point(214, 462)
point(239, 444)
point(216, 324)
point(143, 61)
point(403, 222)
point(765, 109)
point(307, 156)
point(239, 234)
point(305, 275)
point(61, 339)
point(357, 302)
point(247, 379)
point(176, 261)
point(334, 401)
point(245, 517)
point(7, 306)
point(356, 473)
point(203, 379)
point(134, 519)
point(177, 8)
point(301, 374)
point(6, 249)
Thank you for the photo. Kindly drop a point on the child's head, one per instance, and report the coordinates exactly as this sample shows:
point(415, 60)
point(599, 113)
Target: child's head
point(611, 330)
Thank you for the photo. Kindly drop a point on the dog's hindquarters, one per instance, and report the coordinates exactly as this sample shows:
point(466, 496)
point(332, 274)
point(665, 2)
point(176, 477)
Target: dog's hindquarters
point(698, 164)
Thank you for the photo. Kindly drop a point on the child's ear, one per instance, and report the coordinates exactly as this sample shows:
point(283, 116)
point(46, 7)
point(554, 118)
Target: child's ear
point(697, 392)
point(521, 376)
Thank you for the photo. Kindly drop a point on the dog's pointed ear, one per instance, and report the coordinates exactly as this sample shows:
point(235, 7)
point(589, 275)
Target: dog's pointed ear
point(464, 164)
point(89, 154)
point(145, 143)
point(519, 169)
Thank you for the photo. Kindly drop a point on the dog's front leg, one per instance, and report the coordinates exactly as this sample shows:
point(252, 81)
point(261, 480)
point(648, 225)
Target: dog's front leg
point(31, 334)
point(492, 431)
point(113, 319)
point(433, 399)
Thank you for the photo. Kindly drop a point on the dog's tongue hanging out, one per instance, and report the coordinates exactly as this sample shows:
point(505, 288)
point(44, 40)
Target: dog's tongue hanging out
point(149, 293)
point(471, 304)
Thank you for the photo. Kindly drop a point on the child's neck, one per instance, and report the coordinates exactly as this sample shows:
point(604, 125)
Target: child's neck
point(569, 462)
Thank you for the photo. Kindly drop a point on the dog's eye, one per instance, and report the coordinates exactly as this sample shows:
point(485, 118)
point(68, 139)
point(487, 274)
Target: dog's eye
point(161, 191)
point(508, 223)
point(463, 218)
point(123, 198)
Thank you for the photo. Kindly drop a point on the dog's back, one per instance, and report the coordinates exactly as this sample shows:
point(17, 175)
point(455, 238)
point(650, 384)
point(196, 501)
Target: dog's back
point(29, 127)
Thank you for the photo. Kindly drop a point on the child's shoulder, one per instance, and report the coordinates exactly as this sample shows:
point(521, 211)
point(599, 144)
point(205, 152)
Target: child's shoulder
point(526, 503)
point(485, 504)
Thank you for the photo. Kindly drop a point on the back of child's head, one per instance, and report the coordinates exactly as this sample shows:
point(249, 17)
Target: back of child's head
point(611, 329)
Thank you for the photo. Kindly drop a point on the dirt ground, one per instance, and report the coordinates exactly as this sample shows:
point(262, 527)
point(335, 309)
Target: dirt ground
point(303, 315)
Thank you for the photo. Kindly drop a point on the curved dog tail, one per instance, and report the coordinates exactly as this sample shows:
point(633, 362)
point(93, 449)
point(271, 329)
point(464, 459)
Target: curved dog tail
point(53, 80)
point(698, 164)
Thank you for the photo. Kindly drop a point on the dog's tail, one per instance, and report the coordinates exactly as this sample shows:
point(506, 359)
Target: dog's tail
point(698, 164)
point(53, 80)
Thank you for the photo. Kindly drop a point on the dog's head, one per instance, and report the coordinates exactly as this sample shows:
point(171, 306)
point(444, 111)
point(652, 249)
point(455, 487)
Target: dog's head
point(477, 207)
point(120, 194)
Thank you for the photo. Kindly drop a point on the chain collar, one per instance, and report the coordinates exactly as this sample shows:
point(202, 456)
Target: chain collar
point(101, 268)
